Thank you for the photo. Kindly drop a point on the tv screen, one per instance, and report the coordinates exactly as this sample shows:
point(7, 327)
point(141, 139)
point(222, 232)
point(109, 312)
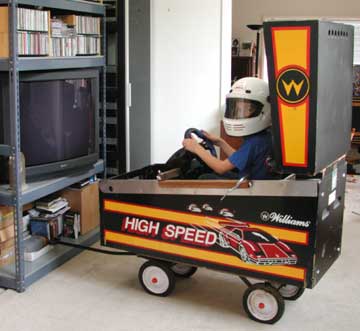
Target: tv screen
point(57, 120)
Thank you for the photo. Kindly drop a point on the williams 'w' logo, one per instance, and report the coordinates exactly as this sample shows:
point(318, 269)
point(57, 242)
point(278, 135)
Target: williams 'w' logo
point(292, 86)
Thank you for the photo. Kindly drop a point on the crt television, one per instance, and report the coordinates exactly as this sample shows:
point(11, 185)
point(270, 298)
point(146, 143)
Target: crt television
point(59, 114)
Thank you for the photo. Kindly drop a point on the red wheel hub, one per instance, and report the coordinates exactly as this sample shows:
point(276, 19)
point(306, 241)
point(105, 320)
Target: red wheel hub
point(154, 280)
point(261, 305)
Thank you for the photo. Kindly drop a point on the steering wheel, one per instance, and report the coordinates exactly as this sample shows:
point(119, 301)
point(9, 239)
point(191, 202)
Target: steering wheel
point(206, 143)
point(190, 165)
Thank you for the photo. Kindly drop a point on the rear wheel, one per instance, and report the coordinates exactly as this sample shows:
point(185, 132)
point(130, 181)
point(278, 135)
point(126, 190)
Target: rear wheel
point(263, 303)
point(291, 292)
point(183, 270)
point(156, 278)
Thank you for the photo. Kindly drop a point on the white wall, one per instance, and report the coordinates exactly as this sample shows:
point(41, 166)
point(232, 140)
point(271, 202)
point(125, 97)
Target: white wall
point(190, 69)
point(253, 11)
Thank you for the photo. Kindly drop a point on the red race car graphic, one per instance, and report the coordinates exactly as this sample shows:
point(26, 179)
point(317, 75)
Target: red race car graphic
point(255, 246)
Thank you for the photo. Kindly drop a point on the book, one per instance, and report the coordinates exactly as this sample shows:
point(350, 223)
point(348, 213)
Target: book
point(81, 184)
point(49, 225)
point(26, 222)
point(53, 207)
point(48, 201)
point(71, 225)
point(48, 229)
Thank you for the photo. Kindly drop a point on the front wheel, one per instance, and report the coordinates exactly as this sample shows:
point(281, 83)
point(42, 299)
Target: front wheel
point(183, 270)
point(156, 278)
point(263, 303)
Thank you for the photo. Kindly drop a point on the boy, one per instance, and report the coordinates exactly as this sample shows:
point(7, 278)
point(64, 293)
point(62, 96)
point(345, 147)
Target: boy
point(247, 115)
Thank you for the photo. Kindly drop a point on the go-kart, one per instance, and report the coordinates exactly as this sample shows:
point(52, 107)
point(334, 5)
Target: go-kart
point(278, 236)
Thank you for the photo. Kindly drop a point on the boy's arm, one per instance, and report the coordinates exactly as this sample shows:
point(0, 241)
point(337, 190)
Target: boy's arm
point(219, 166)
point(227, 149)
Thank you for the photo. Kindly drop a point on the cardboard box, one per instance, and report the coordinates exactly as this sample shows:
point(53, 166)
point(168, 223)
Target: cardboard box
point(71, 20)
point(6, 245)
point(7, 230)
point(7, 256)
point(85, 201)
point(4, 44)
point(4, 31)
point(68, 19)
point(6, 216)
point(4, 19)
point(7, 233)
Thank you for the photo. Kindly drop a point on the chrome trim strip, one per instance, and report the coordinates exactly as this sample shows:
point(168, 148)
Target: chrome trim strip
point(276, 188)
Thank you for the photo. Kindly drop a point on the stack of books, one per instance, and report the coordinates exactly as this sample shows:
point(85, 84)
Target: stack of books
point(88, 45)
point(88, 35)
point(52, 204)
point(32, 20)
point(33, 43)
point(33, 27)
point(87, 25)
point(73, 35)
point(47, 217)
point(63, 39)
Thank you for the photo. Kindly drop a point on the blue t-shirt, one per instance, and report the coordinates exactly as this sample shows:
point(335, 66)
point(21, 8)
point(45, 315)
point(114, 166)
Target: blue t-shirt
point(250, 158)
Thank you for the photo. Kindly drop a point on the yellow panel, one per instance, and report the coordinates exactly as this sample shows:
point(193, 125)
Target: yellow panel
point(294, 131)
point(299, 237)
point(204, 255)
point(291, 47)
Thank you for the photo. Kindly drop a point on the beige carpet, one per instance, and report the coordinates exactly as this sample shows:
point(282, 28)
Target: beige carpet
point(101, 292)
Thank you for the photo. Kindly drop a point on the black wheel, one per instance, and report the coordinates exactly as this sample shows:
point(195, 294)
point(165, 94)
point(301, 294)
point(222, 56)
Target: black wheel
point(243, 254)
point(263, 303)
point(156, 278)
point(183, 270)
point(291, 292)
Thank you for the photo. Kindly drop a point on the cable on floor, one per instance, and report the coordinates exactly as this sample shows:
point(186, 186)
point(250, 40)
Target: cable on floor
point(97, 250)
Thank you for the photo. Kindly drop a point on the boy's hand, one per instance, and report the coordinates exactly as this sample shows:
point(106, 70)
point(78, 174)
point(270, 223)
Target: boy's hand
point(214, 139)
point(191, 145)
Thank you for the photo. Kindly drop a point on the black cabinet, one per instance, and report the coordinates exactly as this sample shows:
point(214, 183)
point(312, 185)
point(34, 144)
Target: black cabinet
point(242, 66)
point(356, 116)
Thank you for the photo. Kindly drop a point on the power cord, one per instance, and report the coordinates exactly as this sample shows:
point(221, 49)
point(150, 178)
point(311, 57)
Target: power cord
point(97, 250)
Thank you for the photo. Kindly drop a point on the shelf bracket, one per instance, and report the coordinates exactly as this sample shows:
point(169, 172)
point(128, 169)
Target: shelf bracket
point(5, 150)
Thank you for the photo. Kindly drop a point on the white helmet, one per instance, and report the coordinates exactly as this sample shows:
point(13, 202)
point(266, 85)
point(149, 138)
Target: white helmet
point(247, 107)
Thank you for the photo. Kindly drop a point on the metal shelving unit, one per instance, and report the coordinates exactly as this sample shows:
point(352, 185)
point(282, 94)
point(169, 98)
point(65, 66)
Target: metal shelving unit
point(115, 144)
point(53, 259)
point(21, 274)
point(111, 149)
point(53, 63)
point(69, 5)
point(39, 189)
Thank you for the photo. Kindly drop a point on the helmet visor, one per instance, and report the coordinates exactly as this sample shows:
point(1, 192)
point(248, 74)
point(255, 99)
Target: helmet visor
point(238, 108)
